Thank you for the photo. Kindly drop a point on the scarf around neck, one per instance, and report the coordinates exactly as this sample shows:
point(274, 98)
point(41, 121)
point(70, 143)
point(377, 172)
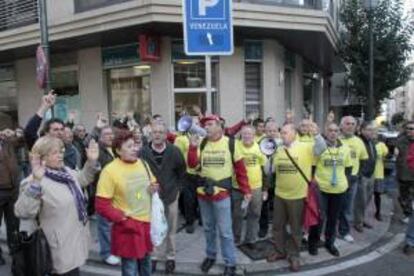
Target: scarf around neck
point(65, 178)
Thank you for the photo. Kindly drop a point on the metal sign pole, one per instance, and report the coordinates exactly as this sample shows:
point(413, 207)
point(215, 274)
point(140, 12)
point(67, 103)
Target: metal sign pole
point(44, 37)
point(208, 84)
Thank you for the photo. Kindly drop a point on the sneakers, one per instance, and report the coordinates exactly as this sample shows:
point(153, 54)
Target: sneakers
point(347, 238)
point(405, 220)
point(359, 228)
point(367, 225)
point(112, 260)
point(332, 250)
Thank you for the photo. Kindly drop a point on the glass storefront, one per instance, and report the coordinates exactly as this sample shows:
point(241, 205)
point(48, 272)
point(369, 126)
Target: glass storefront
point(130, 91)
point(189, 83)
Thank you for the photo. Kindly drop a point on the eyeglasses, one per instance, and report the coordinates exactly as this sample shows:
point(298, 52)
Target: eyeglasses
point(409, 128)
point(350, 123)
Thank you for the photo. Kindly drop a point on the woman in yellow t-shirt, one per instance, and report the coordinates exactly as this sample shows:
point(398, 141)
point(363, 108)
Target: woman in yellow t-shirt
point(124, 197)
point(333, 167)
point(382, 152)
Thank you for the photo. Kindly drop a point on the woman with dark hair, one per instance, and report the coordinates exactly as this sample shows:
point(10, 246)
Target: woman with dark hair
point(124, 197)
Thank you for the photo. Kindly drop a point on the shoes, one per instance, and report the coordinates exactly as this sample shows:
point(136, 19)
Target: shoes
point(262, 233)
point(294, 265)
point(378, 217)
point(2, 260)
point(359, 228)
point(189, 228)
point(153, 266)
point(408, 250)
point(112, 260)
point(229, 271)
point(332, 249)
point(367, 225)
point(169, 267)
point(275, 257)
point(207, 264)
point(313, 250)
point(347, 238)
point(405, 220)
point(250, 245)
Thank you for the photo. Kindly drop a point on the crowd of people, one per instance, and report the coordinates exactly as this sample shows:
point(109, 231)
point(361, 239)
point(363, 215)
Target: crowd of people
point(62, 175)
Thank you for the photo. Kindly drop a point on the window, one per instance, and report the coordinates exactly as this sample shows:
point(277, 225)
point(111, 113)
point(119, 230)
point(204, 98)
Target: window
point(189, 83)
point(86, 5)
point(253, 77)
point(17, 13)
point(8, 96)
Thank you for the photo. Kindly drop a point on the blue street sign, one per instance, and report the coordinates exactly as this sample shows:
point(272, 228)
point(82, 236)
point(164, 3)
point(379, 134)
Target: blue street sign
point(208, 27)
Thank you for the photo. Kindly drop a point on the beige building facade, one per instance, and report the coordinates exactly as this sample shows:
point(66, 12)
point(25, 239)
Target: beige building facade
point(285, 55)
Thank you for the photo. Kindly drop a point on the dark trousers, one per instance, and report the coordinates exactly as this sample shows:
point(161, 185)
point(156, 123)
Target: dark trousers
point(331, 206)
point(267, 211)
point(73, 272)
point(188, 203)
point(406, 189)
point(12, 222)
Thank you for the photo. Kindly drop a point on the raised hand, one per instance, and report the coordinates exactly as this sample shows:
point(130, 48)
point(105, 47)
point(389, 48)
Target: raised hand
point(38, 166)
point(101, 121)
point(92, 152)
point(194, 140)
point(331, 117)
point(47, 102)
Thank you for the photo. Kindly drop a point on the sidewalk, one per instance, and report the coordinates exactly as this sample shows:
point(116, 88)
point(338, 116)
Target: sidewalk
point(190, 251)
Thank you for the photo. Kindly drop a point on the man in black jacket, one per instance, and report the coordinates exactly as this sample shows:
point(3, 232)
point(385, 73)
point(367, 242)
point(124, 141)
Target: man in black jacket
point(53, 127)
point(168, 166)
point(365, 188)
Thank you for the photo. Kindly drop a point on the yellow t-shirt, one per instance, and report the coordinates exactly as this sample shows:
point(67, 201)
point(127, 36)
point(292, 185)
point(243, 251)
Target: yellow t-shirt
point(382, 151)
point(254, 160)
point(216, 162)
point(305, 138)
point(289, 182)
point(358, 151)
point(182, 142)
point(324, 169)
point(257, 138)
point(127, 186)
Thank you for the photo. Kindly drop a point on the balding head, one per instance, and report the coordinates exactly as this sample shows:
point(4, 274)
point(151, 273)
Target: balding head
point(271, 130)
point(348, 125)
point(288, 134)
point(305, 127)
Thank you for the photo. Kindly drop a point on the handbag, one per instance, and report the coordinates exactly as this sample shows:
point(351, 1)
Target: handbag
point(311, 212)
point(33, 256)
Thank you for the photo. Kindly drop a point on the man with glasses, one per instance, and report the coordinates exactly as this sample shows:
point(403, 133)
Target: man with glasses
point(358, 154)
point(405, 177)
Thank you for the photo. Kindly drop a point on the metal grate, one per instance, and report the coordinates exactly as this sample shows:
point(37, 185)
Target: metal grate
point(17, 13)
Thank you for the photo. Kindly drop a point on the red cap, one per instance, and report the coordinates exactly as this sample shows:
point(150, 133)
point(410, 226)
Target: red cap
point(212, 117)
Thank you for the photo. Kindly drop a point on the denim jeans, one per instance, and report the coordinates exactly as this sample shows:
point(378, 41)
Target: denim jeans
point(104, 236)
point(409, 238)
point(346, 214)
point(217, 215)
point(133, 267)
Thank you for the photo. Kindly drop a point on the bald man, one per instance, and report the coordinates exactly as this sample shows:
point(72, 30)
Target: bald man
point(290, 193)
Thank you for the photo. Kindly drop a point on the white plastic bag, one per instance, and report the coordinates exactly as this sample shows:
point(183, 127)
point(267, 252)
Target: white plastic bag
point(159, 225)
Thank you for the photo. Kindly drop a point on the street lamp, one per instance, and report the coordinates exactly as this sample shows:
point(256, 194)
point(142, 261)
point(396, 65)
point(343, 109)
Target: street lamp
point(370, 5)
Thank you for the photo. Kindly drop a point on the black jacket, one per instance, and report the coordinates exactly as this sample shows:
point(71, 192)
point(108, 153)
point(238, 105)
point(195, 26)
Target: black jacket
point(170, 174)
point(368, 166)
point(403, 172)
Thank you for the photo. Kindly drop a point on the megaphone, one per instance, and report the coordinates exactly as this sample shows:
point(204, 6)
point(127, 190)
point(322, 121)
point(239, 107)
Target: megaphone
point(186, 124)
point(268, 146)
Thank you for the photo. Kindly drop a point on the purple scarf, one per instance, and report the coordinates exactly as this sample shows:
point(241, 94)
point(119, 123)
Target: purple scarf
point(63, 177)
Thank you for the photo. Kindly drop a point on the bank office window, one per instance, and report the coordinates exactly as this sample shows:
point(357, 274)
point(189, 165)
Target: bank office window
point(189, 82)
point(86, 5)
point(8, 96)
point(253, 55)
